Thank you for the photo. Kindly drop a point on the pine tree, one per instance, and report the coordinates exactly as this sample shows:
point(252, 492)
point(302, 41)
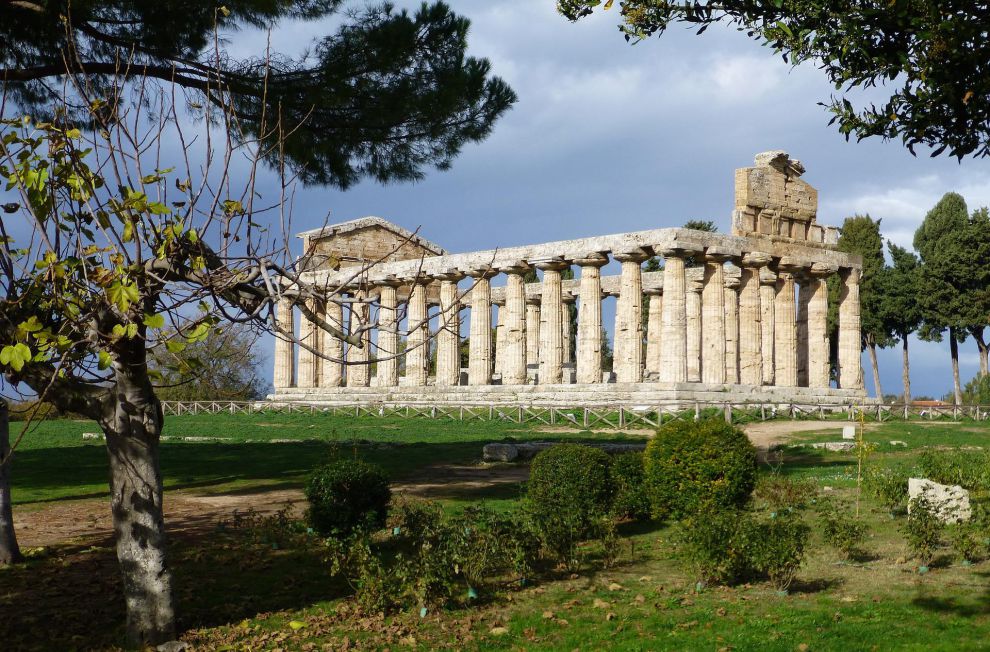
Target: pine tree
point(899, 302)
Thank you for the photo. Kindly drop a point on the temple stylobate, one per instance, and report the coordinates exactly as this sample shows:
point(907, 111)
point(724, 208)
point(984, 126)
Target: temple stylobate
point(730, 317)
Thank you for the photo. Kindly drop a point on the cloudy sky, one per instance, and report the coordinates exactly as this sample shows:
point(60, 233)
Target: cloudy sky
point(609, 137)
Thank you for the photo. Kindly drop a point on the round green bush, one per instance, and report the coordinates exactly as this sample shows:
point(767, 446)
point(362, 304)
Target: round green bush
point(345, 495)
point(628, 476)
point(694, 466)
point(571, 482)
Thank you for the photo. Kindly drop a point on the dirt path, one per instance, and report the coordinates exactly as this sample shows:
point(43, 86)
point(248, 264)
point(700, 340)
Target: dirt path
point(765, 434)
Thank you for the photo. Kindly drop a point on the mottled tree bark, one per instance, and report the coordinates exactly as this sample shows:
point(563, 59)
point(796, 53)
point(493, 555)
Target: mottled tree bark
point(906, 368)
point(954, 352)
point(133, 424)
point(981, 344)
point(10, 553)
point(872, 348)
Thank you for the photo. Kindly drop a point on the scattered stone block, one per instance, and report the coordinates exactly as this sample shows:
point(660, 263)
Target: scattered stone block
point(951, 502)
point(836, 445)
point(500, 452)
point(92, 435)
point(849, 432)
point(897, 442)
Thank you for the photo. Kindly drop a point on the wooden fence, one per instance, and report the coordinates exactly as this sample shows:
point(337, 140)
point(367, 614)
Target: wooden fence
point(598, 417)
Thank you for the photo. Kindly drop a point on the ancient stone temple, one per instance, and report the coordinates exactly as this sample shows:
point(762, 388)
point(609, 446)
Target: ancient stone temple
point(738, 317)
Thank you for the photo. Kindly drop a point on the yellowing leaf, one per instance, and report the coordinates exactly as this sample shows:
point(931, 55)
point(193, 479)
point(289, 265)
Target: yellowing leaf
point(296, 624)
point(154, 321)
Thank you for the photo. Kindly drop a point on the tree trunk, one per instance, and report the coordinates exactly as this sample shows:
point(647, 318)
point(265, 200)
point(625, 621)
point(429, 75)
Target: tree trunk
point(954, 352)
point(133, 425)
point(872, 348)
point(906, 369)
point(981, 344)
point(10, 553)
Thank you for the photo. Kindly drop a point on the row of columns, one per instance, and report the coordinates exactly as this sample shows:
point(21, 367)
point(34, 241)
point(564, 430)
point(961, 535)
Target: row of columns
point(717, 330)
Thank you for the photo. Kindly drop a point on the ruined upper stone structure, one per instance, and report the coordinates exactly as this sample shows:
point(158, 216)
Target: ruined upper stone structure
point(731, 317)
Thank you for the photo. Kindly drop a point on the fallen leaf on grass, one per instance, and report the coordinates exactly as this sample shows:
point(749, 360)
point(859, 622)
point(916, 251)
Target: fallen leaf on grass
point(498, 631)
point(600, 604)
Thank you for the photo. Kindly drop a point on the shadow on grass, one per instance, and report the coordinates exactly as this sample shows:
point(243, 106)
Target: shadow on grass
point(815, 585)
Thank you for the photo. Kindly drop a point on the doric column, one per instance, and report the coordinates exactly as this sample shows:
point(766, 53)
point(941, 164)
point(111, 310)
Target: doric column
point(819, 356)
point(499, 338)
point(713, 318)
point(551, 331)
point(589, 335)
point(673, 339)
point(805, 283)
point(533, 331)
point(731, 330)
point(449, 335)
point(850, 335)
point(654, 325)
point(768, 295)
point(284, 355)
point(480, 355)
point(417, 343)
point(332, 371)
point(628, 363)
point(566, 301)
point(388, 335)
point(514, 339)
point(358, 358)
point(694, 325)
point(309, 340)
point(751, 319)
point(785, 327)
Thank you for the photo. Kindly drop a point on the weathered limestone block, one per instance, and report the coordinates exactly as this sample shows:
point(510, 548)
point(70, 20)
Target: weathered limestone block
point(950, 502)
point(388, 336)
point(785, 327)
point(768, 294)
point(673, 341)
point(514, 339)
point(751, 340)
point(819, 358)
point(628, 318)
point(480, 354)
point(332, 372)
point(654, 328)
point(567, 302)
point(589, 336)
point(805, 289)
point(850, 342)
point(551, 331)
point(694, 326)
point(449, 335)
point(309, 341)
point(532, 331)
point(772, 200)
point(500, 452)
point(499, 337)
point(284, 357)
point(358, 357)
point(712, 326)
point(732, 330)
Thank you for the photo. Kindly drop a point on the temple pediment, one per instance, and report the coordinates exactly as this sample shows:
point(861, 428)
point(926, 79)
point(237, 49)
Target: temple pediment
point(363, 241)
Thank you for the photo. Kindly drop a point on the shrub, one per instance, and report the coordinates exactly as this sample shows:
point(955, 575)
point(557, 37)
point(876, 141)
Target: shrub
point(429, 559)
point(969, 469)
point(569, 489)
point(887, 486)
point(779, 493)
point(694, 466)
point(967, 541)
point(840, 530)
point(628, 475)
point(716, 545)
point(776, 548)
point(923, 529)
point(347, 495)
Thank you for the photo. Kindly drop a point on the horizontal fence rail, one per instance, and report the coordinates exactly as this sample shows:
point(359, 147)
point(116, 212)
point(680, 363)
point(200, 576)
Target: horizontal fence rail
point(598, 417)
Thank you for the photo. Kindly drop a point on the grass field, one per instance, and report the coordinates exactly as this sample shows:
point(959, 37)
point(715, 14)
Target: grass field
point(236, 592)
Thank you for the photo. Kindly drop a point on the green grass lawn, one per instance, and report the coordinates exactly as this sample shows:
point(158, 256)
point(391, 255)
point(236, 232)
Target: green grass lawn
point(236, 592)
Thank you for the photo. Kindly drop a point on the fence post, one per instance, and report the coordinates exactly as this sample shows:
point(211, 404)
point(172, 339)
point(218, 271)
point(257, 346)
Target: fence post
point(697, 411)
point(728, 413)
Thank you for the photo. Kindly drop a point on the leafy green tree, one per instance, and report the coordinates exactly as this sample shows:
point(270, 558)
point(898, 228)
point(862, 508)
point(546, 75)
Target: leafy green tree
point(111, 242)
point(977, 292)
point(899, 286)
point(929, 55)
point(941, 243)
point(701, 225)
point(383, 95)
point(224, 366)
point(860, 234)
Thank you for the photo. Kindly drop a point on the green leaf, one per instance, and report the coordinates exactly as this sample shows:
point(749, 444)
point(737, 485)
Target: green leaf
point(104, 360)
point(175, 347)
point(154, 321)
point(15, 355)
